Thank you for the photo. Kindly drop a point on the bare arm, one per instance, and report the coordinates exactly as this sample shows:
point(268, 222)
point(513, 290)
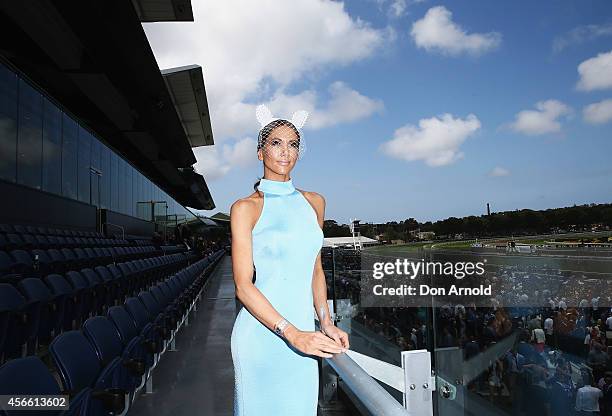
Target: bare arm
point(319, 286)
point(242, 221)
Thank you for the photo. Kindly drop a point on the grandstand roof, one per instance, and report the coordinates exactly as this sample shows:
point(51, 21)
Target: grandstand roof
point(221, 217)
point(102, 70)
point(186, 87)
point(163, 10)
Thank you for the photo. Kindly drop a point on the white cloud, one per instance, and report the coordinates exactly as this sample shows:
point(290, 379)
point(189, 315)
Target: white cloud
point(436, 31)
point(241, 153)
point(596, 73)
point(499, 171)
point(396, 8)
point(216, 161)
point(344, 105)
point(580, 35)
point(209, 163)
point(250, 51)
point(598, 113)
point(544, 119)
point(436, 140)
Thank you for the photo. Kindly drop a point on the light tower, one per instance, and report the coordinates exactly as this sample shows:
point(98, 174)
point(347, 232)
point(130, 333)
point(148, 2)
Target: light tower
point(356, 233)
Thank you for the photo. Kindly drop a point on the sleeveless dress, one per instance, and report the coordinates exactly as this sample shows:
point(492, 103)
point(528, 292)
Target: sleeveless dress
point(271, 376)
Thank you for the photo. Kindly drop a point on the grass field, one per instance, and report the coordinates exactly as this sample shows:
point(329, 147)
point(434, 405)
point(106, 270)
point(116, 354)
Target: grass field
point(466, 244)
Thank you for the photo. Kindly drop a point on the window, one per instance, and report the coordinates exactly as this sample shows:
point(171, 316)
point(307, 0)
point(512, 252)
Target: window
point(52, 148)
point(8, 124)
point(114, 182)
point(69, 156)
point(122, 185)
point(29, 137)
point(105, 167)
point(129, 199)
point(84, 162)
point(96, 183)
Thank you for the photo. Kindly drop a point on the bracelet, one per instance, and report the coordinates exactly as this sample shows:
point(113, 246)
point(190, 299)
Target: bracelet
point(280, 326)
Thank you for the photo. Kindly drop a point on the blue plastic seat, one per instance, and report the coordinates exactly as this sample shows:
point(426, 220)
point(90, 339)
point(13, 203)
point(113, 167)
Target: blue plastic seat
point(84, 293)
point(104, 337)
point(66, 298)
point(101, 298)
point(80, 370)
point(133, 341)
point(51, 316)
point(15, 241)
point(70, 258)
point(113, 286)
point(23, 262)
point(30, 376)
point(22, 319)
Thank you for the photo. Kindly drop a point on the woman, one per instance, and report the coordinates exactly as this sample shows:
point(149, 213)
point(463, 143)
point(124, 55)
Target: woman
point(277, 229)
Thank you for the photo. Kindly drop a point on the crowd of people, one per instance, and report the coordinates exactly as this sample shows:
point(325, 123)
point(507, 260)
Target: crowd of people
point(557, 361)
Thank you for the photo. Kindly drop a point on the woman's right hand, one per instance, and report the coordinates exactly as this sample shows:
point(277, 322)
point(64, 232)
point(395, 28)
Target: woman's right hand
point(313, 343)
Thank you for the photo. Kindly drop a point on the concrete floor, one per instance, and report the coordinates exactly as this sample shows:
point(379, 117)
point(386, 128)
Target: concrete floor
point(198, 379)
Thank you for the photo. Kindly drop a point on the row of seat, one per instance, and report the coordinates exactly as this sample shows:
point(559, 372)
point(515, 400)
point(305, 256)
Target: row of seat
point(30, 241)
point(30, 229)
point(33, 310)
point(17, 264)
point(103, 366)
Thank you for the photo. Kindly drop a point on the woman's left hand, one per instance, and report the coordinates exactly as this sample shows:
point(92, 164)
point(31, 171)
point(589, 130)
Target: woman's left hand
point(336, 334)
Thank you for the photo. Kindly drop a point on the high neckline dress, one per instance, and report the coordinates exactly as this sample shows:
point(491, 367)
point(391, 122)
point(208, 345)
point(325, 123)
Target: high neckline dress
point(271, 376)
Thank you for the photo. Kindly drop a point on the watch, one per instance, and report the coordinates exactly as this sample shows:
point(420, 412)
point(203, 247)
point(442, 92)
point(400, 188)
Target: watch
point(281, 326)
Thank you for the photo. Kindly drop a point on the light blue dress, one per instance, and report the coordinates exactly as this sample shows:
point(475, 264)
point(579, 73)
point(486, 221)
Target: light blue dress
point(272, 377)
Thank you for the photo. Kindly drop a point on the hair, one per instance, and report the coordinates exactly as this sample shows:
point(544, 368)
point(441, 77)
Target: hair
point(264, 133)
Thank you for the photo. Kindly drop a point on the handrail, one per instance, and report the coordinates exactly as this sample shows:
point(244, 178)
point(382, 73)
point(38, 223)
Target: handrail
point(372, 395)
point(118, 226)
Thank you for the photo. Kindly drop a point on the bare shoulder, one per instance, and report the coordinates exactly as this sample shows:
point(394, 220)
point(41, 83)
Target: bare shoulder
point(316, 200)
point(246, 209)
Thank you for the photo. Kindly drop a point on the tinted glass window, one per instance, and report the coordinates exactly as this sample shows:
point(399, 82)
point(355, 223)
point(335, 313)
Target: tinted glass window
point(52, 148)
point(8, 124)
point(29, 136)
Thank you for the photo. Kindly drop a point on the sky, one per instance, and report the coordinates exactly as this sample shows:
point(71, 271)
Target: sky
point(417, 108)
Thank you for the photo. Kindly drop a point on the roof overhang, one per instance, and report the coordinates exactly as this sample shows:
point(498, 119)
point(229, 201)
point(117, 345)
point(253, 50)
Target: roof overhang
point(201, 222)
point(94, 58)
point(163, 10)
point(197, 192)
point(186, 87)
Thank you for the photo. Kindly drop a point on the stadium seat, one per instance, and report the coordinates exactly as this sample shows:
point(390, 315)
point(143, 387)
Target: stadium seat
point(30, 376)
point(80, 370)
point(104, 337)
point(67, 299)
point(51, 316)
point(21, 319)
point(84, 293)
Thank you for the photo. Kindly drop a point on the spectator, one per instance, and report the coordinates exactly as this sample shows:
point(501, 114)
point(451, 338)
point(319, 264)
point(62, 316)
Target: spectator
point(157, 239)
point(597, 359)
point(587, 397)
point(548, 329)
point(413, 338)
point(562, 392)
point(539, 338)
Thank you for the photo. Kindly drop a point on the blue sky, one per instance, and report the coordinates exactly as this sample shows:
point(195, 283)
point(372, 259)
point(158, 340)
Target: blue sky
point(418, 108)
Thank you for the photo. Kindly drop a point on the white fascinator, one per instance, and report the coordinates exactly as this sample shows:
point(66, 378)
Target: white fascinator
point(269, 123)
